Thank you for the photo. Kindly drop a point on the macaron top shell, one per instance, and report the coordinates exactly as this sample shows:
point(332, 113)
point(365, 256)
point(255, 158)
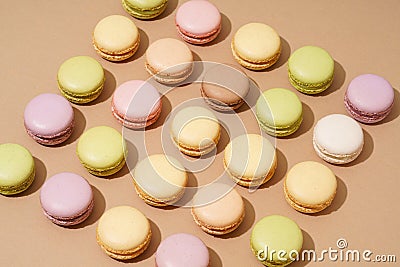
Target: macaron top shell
point(65, 195)
point(198, 17)
point(311, 183)
point(80, 75)
point(123, 228)
point(277, 233)
point(227, 84)
point(48, 114)
point(195, 127)
point(216, 213)
point(256, 42)
point(16, 164)
point(169, 56)
point(160, 176)
point(116, 34)
point(370, 93)
point(136, 99)
point(101, 147)
point(249, 155)
point(311, 64)
point(339, 134)
point(279, 107)
point(182, 250)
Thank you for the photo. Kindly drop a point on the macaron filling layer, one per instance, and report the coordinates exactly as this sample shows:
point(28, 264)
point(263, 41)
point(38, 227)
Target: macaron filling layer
point(67, 221)
point(52, 139)
point(136, 123)
point(306, 208)
point(105, 171)
point(169, 78)
point(81, 98)
point(156, 201)
point(193, 39)
point(144, 13)
point(117, 56)
point(214, 230)
point(275, 130)
point(219, 105)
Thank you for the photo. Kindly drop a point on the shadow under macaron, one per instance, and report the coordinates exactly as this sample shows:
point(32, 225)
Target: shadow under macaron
point(283, 58)
point(339, 76)
point(108, 89)
point(368, 149)
point(152, 248)
point(98, 210)
point(165, 111)
point(306, 125)
point(215, 259)
point(338, 201)
point(226, 28)
point(251, 98)
point(171, 6)
point(40, 178)
point(394, 113)
point(309, 245)
point(77, 131)
point(141, 50)
point(280, 172)
point(190, 191)
point(247, 223)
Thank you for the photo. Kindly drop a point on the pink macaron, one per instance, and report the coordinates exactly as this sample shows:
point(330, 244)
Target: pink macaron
point(136, 104)
point(369, 98)
point(198, 21)
point(49, 119)
point(66, 199)
point(182, 250)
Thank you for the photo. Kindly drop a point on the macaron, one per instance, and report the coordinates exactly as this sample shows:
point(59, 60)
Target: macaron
point(224, 87)
point(160, 180)
point(276, 233)
point(195, 131)
point(311, 69)
point(182, 250)
point(279, 112)
point(116, 38)
point(80, 79)
point(144, 9)
point(17, 169)
point(123, 232)
point(369, 98)
point(338, 139)
point(198, 21)
point(250, 160)
point(136, 104)
point(101, 150)
point(256, 46)
point(214, 217)
point(49, 119)
point(310, 187)
point(169, 61)
point(66, 199)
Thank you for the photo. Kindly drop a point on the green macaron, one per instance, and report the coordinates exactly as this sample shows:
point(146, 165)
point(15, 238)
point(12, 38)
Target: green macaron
point(276, 240)
point(311, 69)
point(101, 150)
point(144, 9)
point(17, 169)
point(279, 112)
point(81, 79)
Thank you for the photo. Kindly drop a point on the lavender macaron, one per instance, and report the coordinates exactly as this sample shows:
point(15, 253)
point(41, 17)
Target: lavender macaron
point(66, 199)
point(369, 98)
point(49, 119)
point(181, 250)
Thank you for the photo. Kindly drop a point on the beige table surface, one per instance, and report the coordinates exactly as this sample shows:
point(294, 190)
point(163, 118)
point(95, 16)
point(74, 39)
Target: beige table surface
point(362, 37)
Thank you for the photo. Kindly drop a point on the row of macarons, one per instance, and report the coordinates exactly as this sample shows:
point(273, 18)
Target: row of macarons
point(124, 232)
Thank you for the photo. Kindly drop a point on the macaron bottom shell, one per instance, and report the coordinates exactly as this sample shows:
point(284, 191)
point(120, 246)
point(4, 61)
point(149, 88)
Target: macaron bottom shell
point(141, 13)
point(281, 131)
point(309, 88)
point(124, 254)
point(13, 190)
point(252, 181)
point(196, 151)
point(220, 106)
point(81, 98)
point(106, 171)
point(138, 124)
point(365, 117)
point(79, 218)
point(212, 230)
point(198, 40)
point(335, 158)
point(52, 140)
point(116, 57)
point(255, 65)
point(169, 79)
